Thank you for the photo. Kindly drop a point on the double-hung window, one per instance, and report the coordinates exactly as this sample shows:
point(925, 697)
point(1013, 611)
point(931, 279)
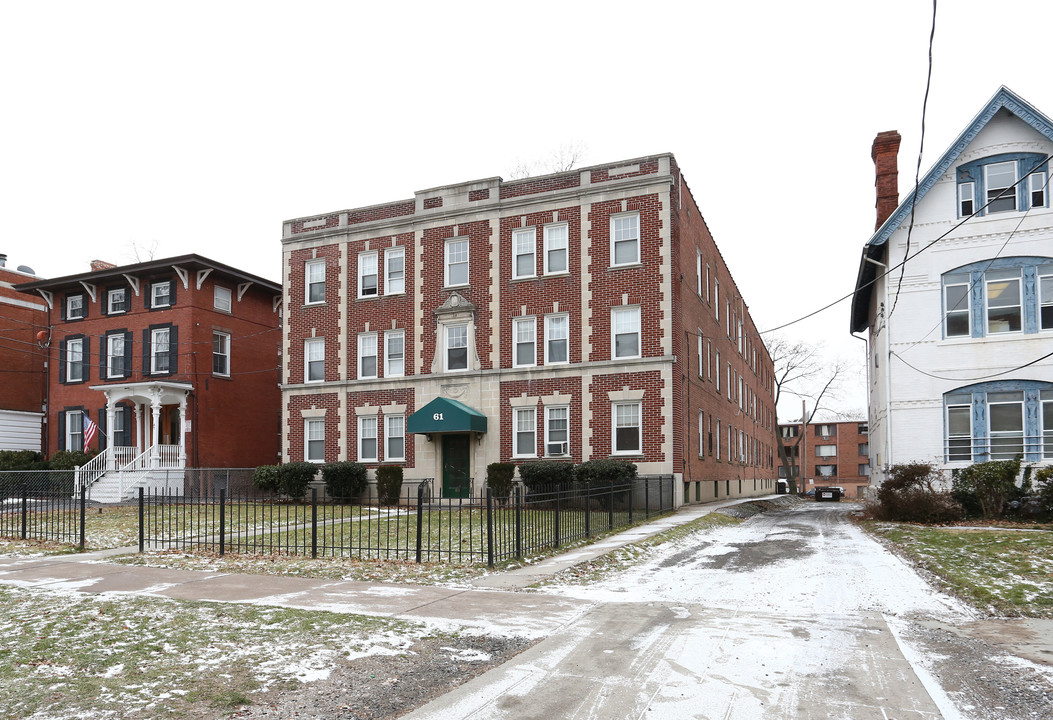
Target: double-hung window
point(159, 350)
point(456, 347)
point(626, 324)
point(115, 347)
point(956, 306)
point(367, 274)
point(394, 353)
point(1047, 423)
point(526, 432)
point(1005, 411)
point(367, 355)
point(1036, 186)
point(395, 271)
point(524, 330)
point(1000, 179)
point(314, 440)
point(221, 299)
point(75, 360)
point(557, 338)
point(965, 199)
point(116, 301)
point(367, 438)
point(1003, 301)
point(314, 360)
point(456, 262)
point(75, 307)
point(524, 249)
point(959, 428)
point(314, 270)
point(626, 420)
point(557, 431)
point(1045, 292)
point(825, 451)
point(555, 246)
point(394, 437)
point(220, 353)
point(625, 239)
point(74, 430)
point(161, 294)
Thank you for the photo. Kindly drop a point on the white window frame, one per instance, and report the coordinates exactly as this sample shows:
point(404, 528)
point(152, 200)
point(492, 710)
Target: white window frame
point(314, 278)
point(523, 327)
point(75, 360)
point(556, 242)
point(114, 350)
point(698, 271)
point(111, 300)
point(959, 311)
point(1045, 417)
point(825, 451)
point(992, 193)
point(74, 429)
point(966, 194)
point(718, 372)
point(700, 351)
point(75, 307)
point(166, 285)
point(524, 423)
point(1036, 185)
point(1018, 400)
point(626, 321)
point(456, 254)
point(618, 421)
point(1045, 299)
point(394, 428)
point(550, 411)
point(718, 438)
point(314, 359)
point(368, 347)
point(314, 439)
point(524, 244)
point(701, 433)
point(368, 267)
point(449, 345)
point(160, 338)
point(395, 279)
point(551, 321)
point(222, 299)
point(372, 422)
point(223, 352)
point(992, 277)
point(398, 355)
point(621, 234)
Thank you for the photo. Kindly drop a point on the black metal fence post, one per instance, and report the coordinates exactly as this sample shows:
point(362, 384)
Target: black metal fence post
point(588, 510)
point(519, 522)
point(142, 524)
point(314, 522)
point(647, 497)
point(610, 507)
point(83, 497)
point(222, 521)
point(25, 509)
point(489, 528)
point(556, 520)
point(631, 493)
point(420, 520)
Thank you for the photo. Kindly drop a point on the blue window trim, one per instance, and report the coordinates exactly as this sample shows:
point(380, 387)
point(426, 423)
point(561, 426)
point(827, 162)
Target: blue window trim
point(974, 172)
point(1032, 390)
point(1030, 310)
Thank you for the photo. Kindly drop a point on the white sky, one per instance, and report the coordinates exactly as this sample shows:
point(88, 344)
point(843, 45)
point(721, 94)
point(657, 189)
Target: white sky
point(200, 126)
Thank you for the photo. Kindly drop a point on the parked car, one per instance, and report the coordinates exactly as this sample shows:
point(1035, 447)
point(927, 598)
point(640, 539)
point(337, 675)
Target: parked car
point(810, 493)
point(832, 493)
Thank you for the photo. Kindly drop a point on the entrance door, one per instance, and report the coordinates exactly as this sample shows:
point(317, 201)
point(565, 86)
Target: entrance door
point(169, 426)
point(456, 465)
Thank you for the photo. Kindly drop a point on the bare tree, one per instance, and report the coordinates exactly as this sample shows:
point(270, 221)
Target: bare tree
point(802, 371)
point(565, 157)
point(143, 252)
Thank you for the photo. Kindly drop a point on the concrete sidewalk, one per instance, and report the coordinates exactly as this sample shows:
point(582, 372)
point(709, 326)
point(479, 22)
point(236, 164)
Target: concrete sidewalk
point(489, 608)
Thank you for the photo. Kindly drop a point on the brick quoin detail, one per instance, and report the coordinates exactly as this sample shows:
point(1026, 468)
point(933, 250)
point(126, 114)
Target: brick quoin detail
point(378, 399)
point(474, 195)
point(652, 430)
point(603, 175)
point(430, 203)
point(330, 221)
point(324, 318)
point(330, 402)
point(569, 387)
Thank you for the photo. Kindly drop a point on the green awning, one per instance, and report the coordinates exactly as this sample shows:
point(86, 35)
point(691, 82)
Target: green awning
point(446, 415)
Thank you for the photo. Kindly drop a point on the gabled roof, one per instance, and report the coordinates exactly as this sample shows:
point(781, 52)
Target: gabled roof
point(1004, 98)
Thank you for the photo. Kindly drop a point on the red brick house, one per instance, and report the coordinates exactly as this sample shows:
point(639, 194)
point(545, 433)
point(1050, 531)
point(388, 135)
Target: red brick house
point(835, 453)
point(176, 360)
point(581, 315)
point(21, 362)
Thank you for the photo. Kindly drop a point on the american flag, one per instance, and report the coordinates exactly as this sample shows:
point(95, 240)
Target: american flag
point(90, 428)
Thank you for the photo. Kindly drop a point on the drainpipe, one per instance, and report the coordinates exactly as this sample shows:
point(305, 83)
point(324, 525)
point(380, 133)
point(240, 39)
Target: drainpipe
point(888, 367)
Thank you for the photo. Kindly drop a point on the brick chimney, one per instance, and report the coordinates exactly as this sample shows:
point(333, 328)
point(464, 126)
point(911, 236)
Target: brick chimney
point(97, 265)
point(886, 180)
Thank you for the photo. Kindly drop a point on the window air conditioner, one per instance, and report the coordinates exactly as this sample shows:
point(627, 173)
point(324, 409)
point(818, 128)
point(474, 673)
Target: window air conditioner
point(557, 448)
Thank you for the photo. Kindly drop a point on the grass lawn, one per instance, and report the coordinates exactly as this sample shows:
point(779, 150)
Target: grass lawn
point(1000, 570)
point(72, 655)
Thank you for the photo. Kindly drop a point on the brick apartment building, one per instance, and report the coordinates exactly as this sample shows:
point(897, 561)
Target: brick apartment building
point(21, 362)
point(580, 315)
point(836, 453)
point(176, 360)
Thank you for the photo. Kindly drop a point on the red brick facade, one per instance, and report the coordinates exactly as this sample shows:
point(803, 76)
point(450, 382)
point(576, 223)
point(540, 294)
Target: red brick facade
point(22, 378)
point(225, 362)
point(834, 454)
point(572, 317)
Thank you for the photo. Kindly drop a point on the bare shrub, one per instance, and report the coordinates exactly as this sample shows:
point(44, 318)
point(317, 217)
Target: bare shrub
point(911, 494)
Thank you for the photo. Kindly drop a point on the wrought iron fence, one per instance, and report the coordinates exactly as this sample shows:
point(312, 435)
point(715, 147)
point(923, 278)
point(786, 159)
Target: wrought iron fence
point(42, 505)
point(479, 528)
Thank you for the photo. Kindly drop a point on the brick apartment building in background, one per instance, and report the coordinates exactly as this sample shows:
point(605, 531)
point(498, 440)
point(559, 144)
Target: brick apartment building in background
point(22, 378)
point(835, 453)
point(176, 360)
point(581, 315)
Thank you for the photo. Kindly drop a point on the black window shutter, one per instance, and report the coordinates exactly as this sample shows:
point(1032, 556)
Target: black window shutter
point(128, 354)
point(61, 430)
point(62, 309)
point(172, 291)
point(173, 348)
point(86, 359)
point(62, 362)
point(146, 351)
point(148, 294)
point(104, 352)
point(102, 429)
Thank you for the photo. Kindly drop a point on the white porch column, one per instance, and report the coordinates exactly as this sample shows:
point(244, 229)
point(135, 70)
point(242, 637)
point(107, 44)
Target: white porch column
point(138, 407)
point(155, 449)
point(111, 462)
point(182, 431)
